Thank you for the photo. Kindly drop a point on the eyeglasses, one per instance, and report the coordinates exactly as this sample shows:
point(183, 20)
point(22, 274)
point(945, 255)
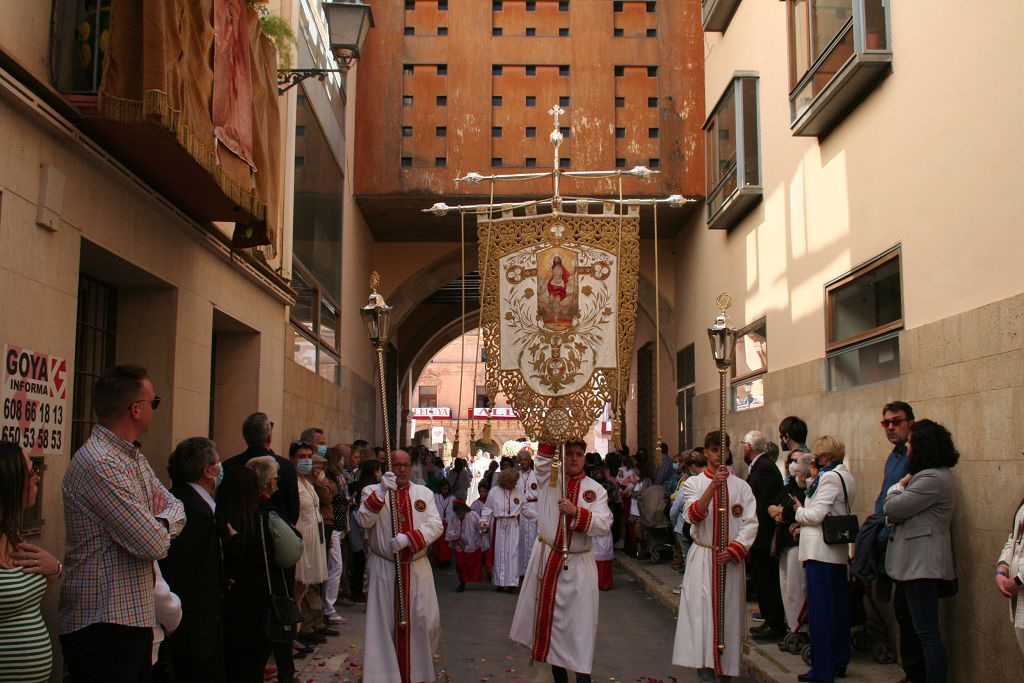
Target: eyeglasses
point(895, 422)
point(154, 402)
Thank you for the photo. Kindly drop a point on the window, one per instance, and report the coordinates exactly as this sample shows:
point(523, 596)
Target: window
point(750, 366)
point(442, 30)
point(531, 162)
point(531, 101)
point(406, 100)
point(838, 52)
point(717, 14)
point(428, 397)
point(864, 314)
point(686, 370)
point(496, 131)
point(95, 337)
point(440, 162)
point(732, 154)
point(317, 217)
point(441, 101)
point(406, 131)
point(531, 131)
point(315, 324)
point(441, 131)
point(481, 397)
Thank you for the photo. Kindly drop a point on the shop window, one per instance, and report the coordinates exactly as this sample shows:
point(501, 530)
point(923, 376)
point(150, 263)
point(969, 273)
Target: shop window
point(428, 397)
point(732, 154)
point(864, 315)
point(716, 14)
point(839, 50)
point(750, 366)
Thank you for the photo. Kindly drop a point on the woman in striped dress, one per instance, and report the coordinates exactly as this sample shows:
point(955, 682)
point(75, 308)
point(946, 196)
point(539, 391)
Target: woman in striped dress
point(25, 654)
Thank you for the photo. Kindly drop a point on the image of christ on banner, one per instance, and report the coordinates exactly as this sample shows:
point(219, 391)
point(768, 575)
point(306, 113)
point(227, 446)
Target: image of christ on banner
point(558, 300)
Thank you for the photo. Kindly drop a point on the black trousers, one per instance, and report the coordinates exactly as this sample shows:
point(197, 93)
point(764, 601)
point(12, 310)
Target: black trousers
point(108, 653)
point(765, 572)
point(911, 652)
point(562, 676)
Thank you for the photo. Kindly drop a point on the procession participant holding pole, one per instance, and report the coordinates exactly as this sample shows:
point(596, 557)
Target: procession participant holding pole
point(393, 651)
point(697, 632)
point(528, 490)
point(557, 580)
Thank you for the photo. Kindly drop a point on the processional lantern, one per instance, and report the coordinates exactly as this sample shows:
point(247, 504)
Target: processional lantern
point(376, 315)
point(723, 348)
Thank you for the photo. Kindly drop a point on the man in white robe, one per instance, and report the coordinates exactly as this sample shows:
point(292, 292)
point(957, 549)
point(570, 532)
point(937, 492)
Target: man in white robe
point(528, 490)
point(556, 616)
point(393, 653)
point(695, 643)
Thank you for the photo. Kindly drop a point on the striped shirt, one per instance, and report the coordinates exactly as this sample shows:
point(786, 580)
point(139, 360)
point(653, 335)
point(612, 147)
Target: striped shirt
point(25, 653)
point(118, 519)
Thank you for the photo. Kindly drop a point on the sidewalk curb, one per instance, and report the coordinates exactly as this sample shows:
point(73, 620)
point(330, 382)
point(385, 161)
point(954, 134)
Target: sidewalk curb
point(757, 663)
point(761, 662)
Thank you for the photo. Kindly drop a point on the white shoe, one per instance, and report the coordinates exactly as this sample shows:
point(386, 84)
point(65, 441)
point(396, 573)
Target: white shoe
point(335, 619)
point(677, 591)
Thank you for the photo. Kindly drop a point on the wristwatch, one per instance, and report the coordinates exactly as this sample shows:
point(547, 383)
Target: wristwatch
point(1017, 580)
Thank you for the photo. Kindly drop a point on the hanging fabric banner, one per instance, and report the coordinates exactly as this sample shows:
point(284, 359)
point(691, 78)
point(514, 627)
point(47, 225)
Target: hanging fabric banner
point(558, 315)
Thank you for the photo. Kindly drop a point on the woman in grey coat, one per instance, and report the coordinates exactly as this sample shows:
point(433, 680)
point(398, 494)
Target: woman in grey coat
point(920, 553)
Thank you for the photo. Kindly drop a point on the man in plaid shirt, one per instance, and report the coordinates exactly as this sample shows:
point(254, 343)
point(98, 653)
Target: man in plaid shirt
point(119, 518)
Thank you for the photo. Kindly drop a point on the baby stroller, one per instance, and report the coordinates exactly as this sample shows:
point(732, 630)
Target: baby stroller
point(656, 539)
point(868, 629)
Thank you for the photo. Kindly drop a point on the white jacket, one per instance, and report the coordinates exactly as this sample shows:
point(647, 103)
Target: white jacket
point(827, 500)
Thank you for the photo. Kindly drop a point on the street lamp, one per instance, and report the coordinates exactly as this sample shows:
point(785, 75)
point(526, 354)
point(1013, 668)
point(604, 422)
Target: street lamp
point(377, 321)
point(348, 22)
point(723, 347)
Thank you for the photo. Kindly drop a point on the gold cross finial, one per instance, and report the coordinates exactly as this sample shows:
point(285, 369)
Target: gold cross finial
point(723, 302)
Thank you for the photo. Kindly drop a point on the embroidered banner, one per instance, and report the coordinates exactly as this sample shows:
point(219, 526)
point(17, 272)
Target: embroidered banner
point(558, 315)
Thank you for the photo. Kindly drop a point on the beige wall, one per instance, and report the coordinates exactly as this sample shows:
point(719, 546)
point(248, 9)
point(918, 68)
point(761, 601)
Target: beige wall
point(920, 162)
point(167, 297)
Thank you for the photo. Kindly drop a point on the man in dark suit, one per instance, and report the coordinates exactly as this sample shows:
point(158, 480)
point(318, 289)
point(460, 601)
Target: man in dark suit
point(192, 568)
point(766, 483)
point(258, 431)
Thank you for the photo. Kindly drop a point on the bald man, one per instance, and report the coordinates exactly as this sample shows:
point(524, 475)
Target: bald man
point(393, 652)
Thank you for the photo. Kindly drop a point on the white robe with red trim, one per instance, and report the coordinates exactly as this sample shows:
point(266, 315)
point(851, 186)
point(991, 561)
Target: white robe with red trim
point(385, 657)
point(527, 527)
point(695, 628)
point(556, 616)
point(504, 512)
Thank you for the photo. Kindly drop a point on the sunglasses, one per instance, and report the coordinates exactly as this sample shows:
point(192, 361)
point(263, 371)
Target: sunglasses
point(154, 403)
point(895, 422)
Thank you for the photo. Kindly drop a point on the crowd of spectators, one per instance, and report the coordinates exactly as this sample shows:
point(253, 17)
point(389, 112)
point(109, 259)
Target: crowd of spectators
point(229, 536)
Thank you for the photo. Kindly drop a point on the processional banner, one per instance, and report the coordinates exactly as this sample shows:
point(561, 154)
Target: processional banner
point(558, 315)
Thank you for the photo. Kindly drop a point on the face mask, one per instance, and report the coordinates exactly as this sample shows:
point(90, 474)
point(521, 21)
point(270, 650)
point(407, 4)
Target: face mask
point(793, 469)
point(220, 476)
point(321, 450)
point(675, 466)
point(304, 465)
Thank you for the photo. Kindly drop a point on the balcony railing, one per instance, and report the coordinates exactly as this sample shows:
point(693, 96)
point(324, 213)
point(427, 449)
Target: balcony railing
point(204, 133)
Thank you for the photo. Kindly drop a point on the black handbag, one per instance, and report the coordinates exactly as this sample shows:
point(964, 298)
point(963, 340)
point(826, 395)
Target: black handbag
point(840, 529)
point(279, 623)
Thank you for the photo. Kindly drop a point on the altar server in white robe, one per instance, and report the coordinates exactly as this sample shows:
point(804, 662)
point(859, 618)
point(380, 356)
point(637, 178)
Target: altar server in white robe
point(695, 629)
point(557, 613)
point(528, 490)
point(504, 511)
point(392, 653)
